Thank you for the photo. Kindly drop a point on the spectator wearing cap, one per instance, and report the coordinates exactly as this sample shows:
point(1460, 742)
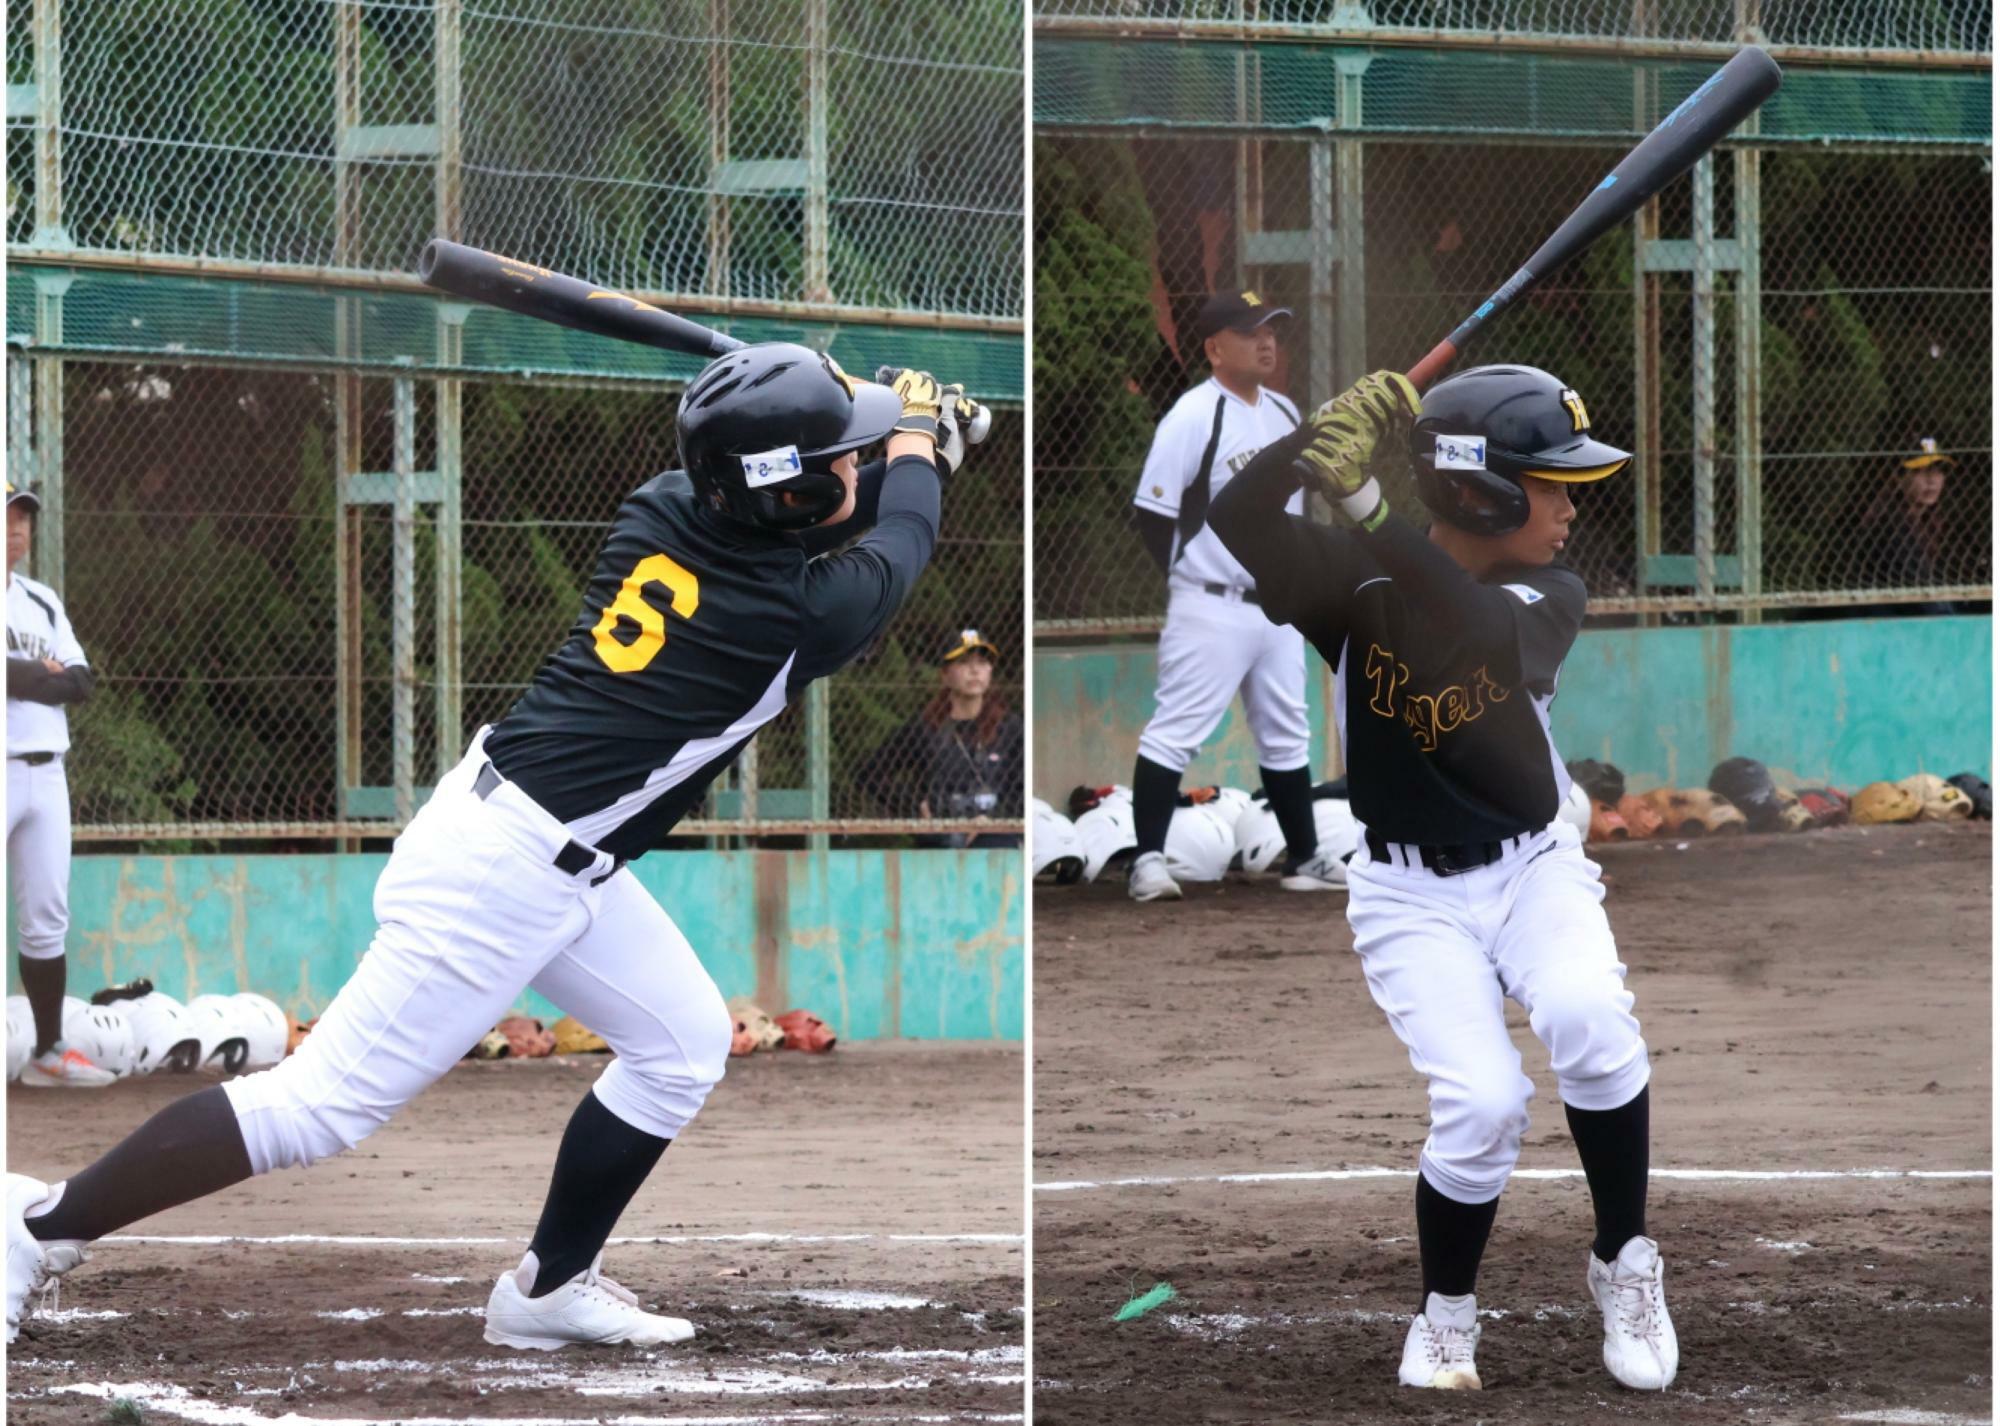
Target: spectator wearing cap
point(1903, 531)
point(1216, 643)
point(960, 756)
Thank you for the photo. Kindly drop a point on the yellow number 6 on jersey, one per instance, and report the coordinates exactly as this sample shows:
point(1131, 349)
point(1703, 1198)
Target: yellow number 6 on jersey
point(621, 657)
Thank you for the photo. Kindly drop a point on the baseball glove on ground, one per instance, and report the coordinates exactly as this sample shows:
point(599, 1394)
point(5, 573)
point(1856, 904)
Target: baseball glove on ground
point(1677, 817)
point(1942, 801)
point(1880, 802)
point(1747, 783)
point(526, 1039)
point(1639, 815)
point(751, 1019)
point(1719, 816)
point(1828, 805)
point(806, 1031)
point(1975, 787)
point(492, 1046)
point(1606, 824)
point(1602, 781)
point(572, 1038)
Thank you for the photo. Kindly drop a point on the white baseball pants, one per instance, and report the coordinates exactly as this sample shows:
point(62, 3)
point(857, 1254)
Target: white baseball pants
point(38, 845)
point(1211, 647)
point(472, 909)
point(1441, 952)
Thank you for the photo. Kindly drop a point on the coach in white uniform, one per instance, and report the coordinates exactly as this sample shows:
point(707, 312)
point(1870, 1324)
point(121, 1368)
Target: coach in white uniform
point(45, 670)
point(1217, 641)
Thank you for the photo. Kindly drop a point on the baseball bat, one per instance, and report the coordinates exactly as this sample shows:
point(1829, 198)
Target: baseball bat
point(1729, 96)
point(567, 301)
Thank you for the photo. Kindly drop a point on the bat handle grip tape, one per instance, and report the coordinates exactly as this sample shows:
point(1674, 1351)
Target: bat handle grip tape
point(1434, 364)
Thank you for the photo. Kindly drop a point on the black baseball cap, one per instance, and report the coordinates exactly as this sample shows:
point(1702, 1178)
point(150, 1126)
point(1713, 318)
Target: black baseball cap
point(18, 496)
point(967, 641)
point(1234, 312)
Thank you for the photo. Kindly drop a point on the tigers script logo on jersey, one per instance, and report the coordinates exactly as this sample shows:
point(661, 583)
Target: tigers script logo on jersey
point(1428, 716)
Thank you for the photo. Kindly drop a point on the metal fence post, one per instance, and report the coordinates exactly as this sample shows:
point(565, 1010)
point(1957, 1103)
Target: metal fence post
point(403, 602)
point(49, 231)
point(1704, 377)
point(819, 759)
point(1750, 375)
point(1323, 241)
point(347, 447)
point(718, 146)
point(818, 288)
point(50, 288)
point(448, 672)
point(1350, 155)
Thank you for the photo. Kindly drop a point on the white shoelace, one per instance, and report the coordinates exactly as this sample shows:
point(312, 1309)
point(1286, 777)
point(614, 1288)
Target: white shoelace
point(1635, 1307)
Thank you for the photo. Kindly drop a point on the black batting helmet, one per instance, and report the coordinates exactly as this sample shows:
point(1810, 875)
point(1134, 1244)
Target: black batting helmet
point(770, 420)
point(1480, 432)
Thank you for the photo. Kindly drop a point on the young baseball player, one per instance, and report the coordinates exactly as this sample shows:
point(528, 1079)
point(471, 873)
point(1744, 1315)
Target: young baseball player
point(1216, 642)
point(709, 611)
point(45, 670)
point(1468, 890)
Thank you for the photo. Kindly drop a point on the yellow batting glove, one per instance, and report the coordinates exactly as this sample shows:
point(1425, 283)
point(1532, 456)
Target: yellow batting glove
point(923, 401)
point(1346, 431)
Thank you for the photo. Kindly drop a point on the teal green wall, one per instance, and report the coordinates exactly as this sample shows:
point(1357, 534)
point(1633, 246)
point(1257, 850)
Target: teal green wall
point(1842, 701)
point(923, 944)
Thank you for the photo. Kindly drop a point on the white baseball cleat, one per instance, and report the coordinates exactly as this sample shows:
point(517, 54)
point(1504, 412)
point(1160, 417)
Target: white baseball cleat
point(1640, 1348)
point(1438, 1351)
point(1318, 872)
point(588, 1309)
point(31, 1264)
point(1149, 879)
point(64, 1068)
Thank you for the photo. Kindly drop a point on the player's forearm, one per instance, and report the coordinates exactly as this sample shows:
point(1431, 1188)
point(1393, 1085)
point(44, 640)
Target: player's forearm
point(1156, 533)
point(34, 682)
point(1250, 519)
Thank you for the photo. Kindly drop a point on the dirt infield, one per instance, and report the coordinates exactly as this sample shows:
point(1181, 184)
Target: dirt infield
point(845, 1230)
point(1813, 1003)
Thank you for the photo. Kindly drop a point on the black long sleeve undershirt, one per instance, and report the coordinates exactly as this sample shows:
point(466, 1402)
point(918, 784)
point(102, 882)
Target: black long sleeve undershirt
point(1156, 532)
point(31, 680)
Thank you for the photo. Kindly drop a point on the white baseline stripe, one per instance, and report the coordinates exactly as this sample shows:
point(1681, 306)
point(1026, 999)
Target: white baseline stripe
point(1532, 1175)
point(369, 1240)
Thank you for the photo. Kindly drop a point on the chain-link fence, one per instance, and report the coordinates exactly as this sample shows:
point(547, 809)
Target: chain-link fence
point(1773, 339)
point(313, 528)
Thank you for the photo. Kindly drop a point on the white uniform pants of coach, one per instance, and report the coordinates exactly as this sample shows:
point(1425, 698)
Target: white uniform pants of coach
point(1441, 952)
point(1212, 646)
point(38, 846)
point(472, 909)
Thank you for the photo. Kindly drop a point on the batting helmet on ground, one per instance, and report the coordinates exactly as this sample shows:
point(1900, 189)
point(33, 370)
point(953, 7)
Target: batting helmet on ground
point(1199, 845)
point(266, 1032)
point(1106, 831)
point(164, 1036)
point(219, 1022)
point(1259, 839)
point(20, 1035)
point(1482, 432)
point(101, 1033)
point(768, 421)
point(1053, 844)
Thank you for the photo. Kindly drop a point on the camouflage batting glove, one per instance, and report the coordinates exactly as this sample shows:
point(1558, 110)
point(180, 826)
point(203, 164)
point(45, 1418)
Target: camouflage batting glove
point(1345, 432)
point(923, 400)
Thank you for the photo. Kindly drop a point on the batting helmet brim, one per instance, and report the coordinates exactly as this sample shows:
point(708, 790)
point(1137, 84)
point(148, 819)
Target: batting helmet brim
point(1579, 462)
point(876, 411)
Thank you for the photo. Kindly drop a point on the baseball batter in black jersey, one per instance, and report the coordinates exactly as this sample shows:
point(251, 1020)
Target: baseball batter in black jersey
point(715, 601)
point(1467, 889)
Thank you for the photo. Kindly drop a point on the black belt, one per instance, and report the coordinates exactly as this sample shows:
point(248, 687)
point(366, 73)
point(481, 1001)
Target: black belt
point(34, 759)
point(1248, 596)
point(575, 858)
point(1447, 860)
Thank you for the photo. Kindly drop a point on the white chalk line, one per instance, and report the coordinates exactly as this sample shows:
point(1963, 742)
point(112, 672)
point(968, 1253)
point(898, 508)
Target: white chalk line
point(1893, 1417)
point(177, 1401)
point(372, 1240)
point(1528, 1175)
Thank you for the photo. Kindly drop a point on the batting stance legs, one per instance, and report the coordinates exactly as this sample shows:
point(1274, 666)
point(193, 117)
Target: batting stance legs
point(472, 908)
point(1441, 956)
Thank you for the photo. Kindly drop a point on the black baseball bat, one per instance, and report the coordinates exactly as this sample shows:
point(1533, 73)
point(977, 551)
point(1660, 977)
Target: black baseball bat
point(567, 301)
point(1728, 97)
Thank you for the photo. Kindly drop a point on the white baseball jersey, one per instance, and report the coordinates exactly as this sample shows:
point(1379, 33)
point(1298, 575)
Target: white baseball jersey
point(1174, 462)
point(37, 628)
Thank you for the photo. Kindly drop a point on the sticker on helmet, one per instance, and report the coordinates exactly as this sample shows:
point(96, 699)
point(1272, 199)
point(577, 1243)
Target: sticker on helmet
point(1578, 419)
point(1527, 593)
point(770, 467)
point(1460, 453)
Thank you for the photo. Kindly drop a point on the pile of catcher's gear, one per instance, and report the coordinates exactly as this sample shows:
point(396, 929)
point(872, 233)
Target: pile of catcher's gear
point(1741, 796)
point(133, 1029)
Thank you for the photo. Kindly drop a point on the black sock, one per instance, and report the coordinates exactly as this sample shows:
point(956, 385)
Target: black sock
point(43, 982)
point(1153, 791)
point(1290, 794)
point(1451, 1239)
point(187, 1151)
point(1614, 1145)
point(600, 1165)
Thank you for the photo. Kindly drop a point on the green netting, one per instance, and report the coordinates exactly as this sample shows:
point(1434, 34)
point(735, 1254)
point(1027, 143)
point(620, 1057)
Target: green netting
point(193, 320)
point(1956, 26)
point(1093, 84)
point(825, 151)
